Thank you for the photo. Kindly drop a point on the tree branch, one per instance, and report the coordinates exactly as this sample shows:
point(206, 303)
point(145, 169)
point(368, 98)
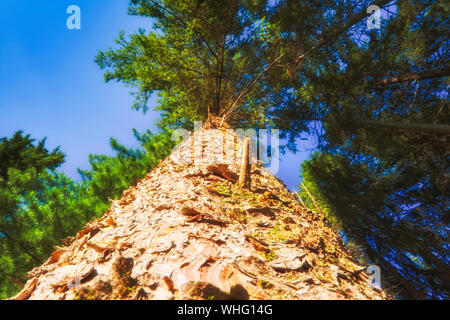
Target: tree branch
point(429, 74)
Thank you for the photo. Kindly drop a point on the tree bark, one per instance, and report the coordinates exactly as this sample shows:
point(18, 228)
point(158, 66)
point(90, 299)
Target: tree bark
point(244, 175)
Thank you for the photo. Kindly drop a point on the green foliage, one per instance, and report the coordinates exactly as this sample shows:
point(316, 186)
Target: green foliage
point(38, 208)
point(19, 152)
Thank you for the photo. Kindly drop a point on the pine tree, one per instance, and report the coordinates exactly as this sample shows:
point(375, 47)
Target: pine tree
point(38, 207)
point(20, 153)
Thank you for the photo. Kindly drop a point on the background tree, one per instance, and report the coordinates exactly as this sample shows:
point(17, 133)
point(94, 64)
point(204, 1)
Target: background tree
point(30, 195)
point(381, 212)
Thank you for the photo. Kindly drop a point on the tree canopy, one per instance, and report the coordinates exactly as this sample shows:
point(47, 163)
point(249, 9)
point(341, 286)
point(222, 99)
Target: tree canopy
point(198, 57)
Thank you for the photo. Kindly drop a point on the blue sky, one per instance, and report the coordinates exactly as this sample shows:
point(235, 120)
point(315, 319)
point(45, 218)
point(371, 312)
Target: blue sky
point(51, 87)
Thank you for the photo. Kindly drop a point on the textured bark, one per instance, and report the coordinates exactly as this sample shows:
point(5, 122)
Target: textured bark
point(186, 231)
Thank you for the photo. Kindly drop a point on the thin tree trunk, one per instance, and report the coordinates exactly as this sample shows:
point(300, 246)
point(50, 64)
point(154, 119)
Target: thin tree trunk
point(17, 282)
point(301, 200)
point(244, 175)
point(408, 126)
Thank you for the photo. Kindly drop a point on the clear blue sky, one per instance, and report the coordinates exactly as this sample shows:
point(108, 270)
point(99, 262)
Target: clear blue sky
point(51, 87)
